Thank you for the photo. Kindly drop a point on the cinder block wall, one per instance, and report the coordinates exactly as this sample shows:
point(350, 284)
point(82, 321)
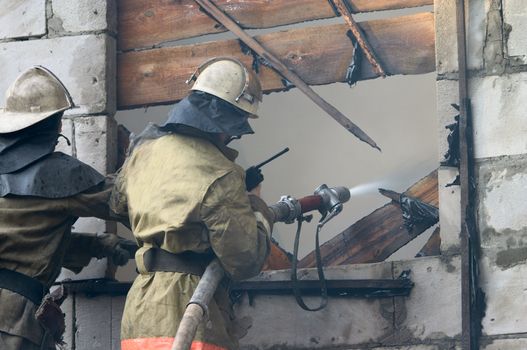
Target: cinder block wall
point(497, 60)
point(76, 41)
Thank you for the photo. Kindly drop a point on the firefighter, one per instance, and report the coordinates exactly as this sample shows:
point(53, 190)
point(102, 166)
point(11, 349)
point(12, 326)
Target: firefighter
point(187, 203)
point(42, 193)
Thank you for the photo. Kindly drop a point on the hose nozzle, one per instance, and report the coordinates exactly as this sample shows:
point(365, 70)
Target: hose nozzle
point(325, 199)
point(332, 198)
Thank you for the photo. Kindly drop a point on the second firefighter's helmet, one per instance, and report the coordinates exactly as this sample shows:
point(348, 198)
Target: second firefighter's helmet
point(228, 78)
point(35, 95)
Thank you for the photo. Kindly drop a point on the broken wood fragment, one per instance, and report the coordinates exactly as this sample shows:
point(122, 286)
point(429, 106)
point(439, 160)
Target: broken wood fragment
point(278, 258)
point(378, 235)
point(285, 71)
point(320, 55)
point(147, 23)
point(394, 196)
point(432, 246)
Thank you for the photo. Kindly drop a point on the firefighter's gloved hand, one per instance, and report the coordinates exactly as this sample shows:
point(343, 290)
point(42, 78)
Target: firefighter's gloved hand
point(113, 247)
point(253, 177)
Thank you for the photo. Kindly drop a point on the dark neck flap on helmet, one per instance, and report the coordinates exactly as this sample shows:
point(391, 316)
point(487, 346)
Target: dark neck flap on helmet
point(18, 149)
point(54, 176)
point(210, 114)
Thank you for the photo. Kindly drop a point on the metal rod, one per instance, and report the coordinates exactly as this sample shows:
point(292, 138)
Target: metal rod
point(469, 241)
point(282, 69)
point(361, 39)
point(367, 288)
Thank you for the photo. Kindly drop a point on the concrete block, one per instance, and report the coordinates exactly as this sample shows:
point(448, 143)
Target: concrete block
point(494, 47)
point(446, 40)
point(97, 268)
point(498, 104)
point(94, 323)
point(82, 16)
point(22, 18)
point(501, 205)
point(449, 210)
point(435, 298)
point(506, 344)
point(505, 298)
point(515, 15)
point(117, 314)
point(345, 321)
point(446, 34)
point(85, 64)
point(96, 142)
point(476, 31)
point(447, 93)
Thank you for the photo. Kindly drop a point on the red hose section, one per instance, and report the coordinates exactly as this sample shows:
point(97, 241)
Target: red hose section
point(310, 203)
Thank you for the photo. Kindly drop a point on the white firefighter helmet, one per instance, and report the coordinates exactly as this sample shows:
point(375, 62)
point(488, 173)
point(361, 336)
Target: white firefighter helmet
point(35, 95)
point(229, 79)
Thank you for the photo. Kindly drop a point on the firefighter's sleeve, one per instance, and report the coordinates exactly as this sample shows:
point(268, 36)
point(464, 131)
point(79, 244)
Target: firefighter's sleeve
point(95, 202)
point(91, 203)
point(239, 226)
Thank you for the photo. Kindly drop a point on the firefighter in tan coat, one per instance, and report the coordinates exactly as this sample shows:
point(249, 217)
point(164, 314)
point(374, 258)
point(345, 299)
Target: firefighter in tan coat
point(42, 193)
point(187, 203)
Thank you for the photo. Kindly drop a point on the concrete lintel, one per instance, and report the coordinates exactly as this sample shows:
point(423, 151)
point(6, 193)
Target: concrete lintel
point(433, 309)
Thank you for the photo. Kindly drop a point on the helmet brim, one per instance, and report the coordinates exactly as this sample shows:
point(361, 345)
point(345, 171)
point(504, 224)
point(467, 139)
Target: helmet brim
point(16, 121)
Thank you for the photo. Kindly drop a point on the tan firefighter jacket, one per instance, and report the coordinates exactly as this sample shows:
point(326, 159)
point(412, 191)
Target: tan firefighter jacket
point(36, 240)
point(184, 193)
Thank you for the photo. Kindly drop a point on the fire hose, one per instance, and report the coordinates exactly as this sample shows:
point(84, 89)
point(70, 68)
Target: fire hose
point(329, 201)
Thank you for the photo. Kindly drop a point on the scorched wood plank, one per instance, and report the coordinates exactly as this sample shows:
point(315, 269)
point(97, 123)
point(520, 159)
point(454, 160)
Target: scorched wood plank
point(320, 55)
point(145, 23)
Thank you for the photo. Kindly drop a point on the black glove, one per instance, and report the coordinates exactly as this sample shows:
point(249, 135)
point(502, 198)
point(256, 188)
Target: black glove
point(114, 247)
point(253, 177)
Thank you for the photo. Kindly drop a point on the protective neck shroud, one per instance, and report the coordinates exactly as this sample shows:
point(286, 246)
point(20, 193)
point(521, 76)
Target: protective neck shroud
point(153, 131)
point(209, 114)
point(56, 175)
point(18, 149)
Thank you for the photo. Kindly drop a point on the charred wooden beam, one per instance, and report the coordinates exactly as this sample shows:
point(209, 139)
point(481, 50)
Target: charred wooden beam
point(374, 288)
point(146, 23)
point(378, 235)
point(432, 246)
point(288, 74)
point(320, 55)
point(414, 210)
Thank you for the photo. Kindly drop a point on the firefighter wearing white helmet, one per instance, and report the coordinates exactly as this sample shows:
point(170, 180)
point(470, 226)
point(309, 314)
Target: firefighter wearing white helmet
point(42, 193)
point(187, 202)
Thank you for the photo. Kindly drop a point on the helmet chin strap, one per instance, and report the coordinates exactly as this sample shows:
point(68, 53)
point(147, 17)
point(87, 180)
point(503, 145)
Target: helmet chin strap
point(65, 138)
